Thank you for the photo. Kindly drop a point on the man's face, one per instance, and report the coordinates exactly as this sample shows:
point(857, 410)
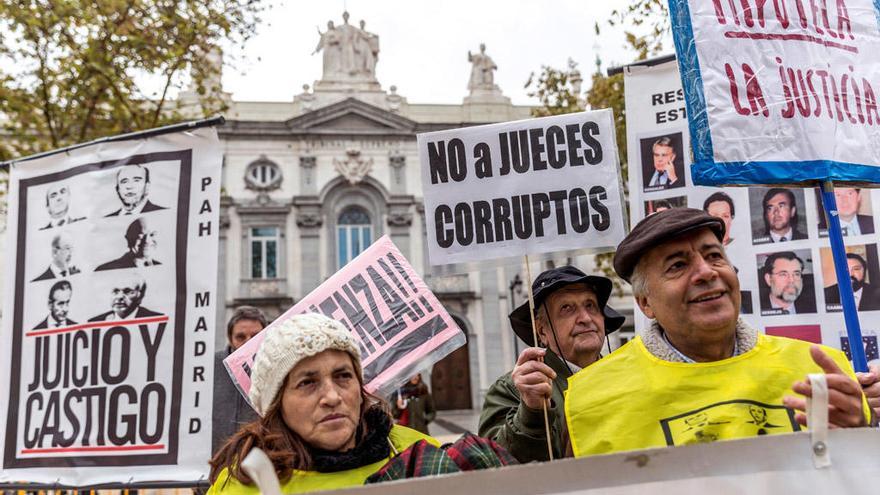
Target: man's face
point(578, 321)
point(692, 289)
point(779, 212)
point(786, 280)
point(131, 185)
point(242, 331)
point(856, 273)
point(145, 243)
point(59, 304)
point(126, 298)
point(62, 252)
point(720, 209)
point(663, 157)
point(58, 200)
point(847, 202)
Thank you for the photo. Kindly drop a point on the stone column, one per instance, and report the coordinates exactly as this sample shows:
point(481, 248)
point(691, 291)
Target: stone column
point(309, 221)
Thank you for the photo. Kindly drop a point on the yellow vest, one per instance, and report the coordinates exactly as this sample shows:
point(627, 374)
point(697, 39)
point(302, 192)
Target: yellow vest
point(634, 400)
point(311, 481)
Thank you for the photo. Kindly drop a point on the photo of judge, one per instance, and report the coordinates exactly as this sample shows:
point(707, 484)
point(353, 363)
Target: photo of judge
point(126, 297)
point(59, 305)
point(141, 242)
point(867, 295)
point(720, 205)
point(787, 289)
point(779, 221)
point(852, 208)
point(58, 206)
point(133, 189)
point(662, 165)
point(61, 265)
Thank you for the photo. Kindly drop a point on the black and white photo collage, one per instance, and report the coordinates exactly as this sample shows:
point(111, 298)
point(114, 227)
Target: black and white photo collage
point(100, 246)
point(777, 239)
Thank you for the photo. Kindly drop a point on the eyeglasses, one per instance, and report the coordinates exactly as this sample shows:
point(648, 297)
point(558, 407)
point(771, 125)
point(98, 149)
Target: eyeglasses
point(789, 275)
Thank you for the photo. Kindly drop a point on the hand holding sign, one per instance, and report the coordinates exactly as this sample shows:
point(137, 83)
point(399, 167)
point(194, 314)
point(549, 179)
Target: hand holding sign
point(845, 406)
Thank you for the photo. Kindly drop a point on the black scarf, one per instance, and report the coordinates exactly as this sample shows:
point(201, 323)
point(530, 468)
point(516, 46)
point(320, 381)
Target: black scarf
point(372, 448)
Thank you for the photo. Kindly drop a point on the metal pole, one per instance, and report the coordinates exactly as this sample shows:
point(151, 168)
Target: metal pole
point(841, 268)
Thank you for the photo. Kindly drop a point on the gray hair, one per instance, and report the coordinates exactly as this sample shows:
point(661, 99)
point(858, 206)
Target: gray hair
point(639, 279)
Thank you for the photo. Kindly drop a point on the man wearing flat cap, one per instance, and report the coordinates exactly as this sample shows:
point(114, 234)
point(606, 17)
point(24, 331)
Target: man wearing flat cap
point(698, 373)
point(572, 319)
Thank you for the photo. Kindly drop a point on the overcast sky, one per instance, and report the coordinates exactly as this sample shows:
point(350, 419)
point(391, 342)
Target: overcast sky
point(424, 44)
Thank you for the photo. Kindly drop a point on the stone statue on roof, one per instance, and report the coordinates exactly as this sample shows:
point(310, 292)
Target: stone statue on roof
point(350, 53)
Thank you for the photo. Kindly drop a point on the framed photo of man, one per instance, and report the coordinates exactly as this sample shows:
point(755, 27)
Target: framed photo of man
point(777, 215)
point(854, 210)
point(662, 160)
point(864, 277)
point(786, 283)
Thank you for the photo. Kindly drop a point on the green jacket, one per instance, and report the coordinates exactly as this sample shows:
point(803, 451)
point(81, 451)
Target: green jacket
point(520, 429)
point(421, 412)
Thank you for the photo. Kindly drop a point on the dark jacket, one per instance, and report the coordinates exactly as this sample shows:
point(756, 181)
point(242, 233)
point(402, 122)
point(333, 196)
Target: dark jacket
point(127, 260)
point(50, 275)
point(148, 207)
point(141, 312)
point(231, 410)
point(519, 429)
point(420, 409)
point(45, 323)
point(870, 297)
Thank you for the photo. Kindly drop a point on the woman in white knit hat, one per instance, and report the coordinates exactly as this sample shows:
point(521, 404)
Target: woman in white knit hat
point(318, 425)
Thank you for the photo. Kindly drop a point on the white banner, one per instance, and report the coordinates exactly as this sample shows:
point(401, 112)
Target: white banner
point(782, 91)
point(777, 239)
point(527, 187)
point(109, 312)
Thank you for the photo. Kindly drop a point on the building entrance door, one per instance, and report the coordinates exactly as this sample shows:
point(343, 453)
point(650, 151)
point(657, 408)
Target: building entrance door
point(451, 380)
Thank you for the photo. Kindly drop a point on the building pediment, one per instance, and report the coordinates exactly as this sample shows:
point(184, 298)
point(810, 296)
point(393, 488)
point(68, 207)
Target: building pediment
point(351, 116)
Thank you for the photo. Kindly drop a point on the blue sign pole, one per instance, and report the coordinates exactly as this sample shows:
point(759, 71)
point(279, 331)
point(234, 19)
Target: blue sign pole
point(841, 268)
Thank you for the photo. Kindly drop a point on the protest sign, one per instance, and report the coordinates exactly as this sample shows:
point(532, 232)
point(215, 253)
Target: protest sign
point(399, 324)
point(527, 187)
point(781, 92)
point(109, 312)
point(657, 138)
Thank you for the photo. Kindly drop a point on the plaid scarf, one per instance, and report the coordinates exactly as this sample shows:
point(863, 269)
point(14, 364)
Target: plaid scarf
point(469, 453)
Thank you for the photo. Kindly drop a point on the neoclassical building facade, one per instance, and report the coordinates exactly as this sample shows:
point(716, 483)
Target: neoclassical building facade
point(309, 183)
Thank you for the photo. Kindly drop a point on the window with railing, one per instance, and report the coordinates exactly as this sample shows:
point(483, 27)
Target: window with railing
point(354, 233)
point(264, 252)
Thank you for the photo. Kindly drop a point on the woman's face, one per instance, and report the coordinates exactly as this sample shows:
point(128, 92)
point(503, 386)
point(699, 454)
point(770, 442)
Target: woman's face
point(322, 401)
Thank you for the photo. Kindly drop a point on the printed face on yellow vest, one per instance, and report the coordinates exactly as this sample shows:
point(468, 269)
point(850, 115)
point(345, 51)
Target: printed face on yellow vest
point(322, 401)
point(578, 322)
point(693, 289)
point(744, 418)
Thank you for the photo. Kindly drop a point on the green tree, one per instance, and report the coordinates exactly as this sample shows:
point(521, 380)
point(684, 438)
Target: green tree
point(651, 19)
point(72, 70)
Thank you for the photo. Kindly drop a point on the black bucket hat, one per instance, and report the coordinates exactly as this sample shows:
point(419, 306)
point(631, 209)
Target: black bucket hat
point(554, 279)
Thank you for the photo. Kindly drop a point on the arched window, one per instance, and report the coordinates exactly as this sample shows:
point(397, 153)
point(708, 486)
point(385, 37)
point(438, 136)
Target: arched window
point(354, 232)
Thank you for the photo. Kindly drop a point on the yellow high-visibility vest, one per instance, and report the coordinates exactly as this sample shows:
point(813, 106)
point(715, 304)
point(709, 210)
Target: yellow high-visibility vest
point(634, 400)
point(311, 481)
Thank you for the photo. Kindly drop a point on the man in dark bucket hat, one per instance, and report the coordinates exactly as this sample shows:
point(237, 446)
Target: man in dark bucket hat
point(699, 373)
point(572, 319)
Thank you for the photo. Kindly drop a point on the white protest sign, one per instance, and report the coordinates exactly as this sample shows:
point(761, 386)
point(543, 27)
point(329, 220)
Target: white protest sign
point(109, 312)
point(527, 187)
point(400, 325)
point(783, 91)
point(657, 140)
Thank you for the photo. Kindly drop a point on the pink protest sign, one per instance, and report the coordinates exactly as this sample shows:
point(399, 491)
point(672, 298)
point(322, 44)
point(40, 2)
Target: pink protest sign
point(400, 325)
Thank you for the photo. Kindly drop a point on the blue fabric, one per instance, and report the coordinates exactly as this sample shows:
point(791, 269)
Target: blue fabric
point(704, 170)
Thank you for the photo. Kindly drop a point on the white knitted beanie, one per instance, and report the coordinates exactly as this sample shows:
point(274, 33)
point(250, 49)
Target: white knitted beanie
point(289, 342)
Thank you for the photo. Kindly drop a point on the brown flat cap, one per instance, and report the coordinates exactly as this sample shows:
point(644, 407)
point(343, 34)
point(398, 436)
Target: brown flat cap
point(654, 229)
